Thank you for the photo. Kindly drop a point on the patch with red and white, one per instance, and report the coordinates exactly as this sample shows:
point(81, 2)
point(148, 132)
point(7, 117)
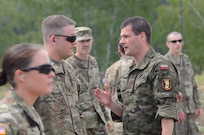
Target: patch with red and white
point(164, 67)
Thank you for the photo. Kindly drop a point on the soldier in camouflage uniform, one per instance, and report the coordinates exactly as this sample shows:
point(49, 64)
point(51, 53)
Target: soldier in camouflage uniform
point(87, 71)
point(24, 66)
point(59, 110)
point(112, 76)
point(190, 107)
point(149, 88)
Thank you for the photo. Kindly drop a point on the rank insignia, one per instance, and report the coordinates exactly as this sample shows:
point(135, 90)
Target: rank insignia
point(167, 84)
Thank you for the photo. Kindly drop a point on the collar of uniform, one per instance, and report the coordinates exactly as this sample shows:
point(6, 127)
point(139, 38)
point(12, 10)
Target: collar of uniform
point(57, 66)
point(146, 60)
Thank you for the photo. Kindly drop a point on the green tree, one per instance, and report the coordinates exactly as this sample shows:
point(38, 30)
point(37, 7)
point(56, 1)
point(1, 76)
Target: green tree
point(21, 22)
point(189, 22)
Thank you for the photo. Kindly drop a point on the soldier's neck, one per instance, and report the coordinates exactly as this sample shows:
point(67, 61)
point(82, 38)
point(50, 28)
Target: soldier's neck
point(82, 56)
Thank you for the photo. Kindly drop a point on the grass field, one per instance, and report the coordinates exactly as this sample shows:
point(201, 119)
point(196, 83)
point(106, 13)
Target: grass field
point(199, 80)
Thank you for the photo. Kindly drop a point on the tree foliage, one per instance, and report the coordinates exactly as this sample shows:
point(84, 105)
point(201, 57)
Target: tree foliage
point(21, 22)
point(187, 18)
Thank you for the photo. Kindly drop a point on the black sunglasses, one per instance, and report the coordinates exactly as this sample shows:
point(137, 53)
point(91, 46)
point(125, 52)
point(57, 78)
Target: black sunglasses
point(68, 38)
point(44, 69)
point(175, 41)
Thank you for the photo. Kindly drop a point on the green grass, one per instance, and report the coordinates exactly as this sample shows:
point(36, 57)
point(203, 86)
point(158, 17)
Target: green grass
point(201, 129)
point(200, 81)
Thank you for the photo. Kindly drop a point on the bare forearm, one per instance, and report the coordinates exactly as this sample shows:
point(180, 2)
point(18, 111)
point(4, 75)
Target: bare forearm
point(167, 126)
point(117, 109)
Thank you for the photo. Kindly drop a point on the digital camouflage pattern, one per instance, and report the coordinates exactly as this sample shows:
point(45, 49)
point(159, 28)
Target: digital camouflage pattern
point(17, 118)
point(149, 92)
point(191, 100)
point(112, 76)
point(59, 110)
point(115, 72)
point(94, 113)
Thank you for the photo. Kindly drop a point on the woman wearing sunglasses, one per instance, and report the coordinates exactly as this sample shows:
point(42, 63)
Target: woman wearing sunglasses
point(26, 67)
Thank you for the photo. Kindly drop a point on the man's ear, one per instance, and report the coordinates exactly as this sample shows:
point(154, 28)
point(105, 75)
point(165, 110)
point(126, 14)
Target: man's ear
point(167, 44)
point(143, 36)
point(52, 39)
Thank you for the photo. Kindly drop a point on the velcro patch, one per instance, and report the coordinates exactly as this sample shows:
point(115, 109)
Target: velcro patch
point(164, 67)
point(3, 128)
point(167, 84)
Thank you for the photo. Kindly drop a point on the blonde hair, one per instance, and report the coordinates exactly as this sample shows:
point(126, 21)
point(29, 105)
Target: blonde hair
point(54, 24)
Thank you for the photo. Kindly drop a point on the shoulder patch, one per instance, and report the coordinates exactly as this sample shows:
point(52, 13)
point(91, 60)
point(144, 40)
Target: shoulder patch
point(3, 128)
point(164, 67)
point(167, 84)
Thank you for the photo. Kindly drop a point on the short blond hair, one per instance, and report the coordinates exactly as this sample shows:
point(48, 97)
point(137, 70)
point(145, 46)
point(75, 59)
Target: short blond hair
point(54, 24)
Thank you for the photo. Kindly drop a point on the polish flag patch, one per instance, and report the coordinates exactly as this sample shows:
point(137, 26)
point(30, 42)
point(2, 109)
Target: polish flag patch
point(164, 67)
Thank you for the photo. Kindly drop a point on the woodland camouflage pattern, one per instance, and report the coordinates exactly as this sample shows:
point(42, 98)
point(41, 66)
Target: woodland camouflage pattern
point(191, 100)
point(147, 96)
point(94, 113)
point(59, 110)
point(17, 118)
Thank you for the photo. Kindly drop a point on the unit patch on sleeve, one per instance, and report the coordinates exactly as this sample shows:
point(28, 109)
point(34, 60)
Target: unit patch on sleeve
point(167, 84)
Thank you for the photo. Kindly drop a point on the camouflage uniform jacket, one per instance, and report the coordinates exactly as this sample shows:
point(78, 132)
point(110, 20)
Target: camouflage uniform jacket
point(18, 118)
point(149, 92)
point(114, 73)
point(88, 74)
point(59, 110)
point(191, 100)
